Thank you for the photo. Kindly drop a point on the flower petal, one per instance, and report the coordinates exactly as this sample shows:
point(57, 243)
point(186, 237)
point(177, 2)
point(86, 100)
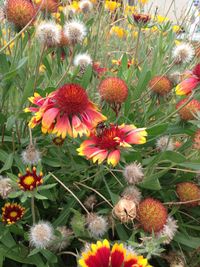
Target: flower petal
point(113, 157)
point(186, 86)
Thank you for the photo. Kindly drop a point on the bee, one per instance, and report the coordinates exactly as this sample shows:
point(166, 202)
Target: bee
point(101, 126)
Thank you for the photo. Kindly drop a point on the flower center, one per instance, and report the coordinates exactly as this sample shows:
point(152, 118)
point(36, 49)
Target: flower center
point(109, 137)
point(13, 214)
point(71, 99)
point(29, 180)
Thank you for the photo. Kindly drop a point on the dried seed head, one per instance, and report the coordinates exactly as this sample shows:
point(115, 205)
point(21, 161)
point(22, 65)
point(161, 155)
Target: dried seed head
point(183, 53)
point(63, 240)
point(97, 225)
point(169, 230)
point(82, 61)
point(133, 173)
point(31, 155)
point(48, 33)
point(90, 202)
point(5, 187)
point(85, 5)
point(165, 143)
point(125, 210)
point(75, 31)
point(133, 193)
point(41, 235)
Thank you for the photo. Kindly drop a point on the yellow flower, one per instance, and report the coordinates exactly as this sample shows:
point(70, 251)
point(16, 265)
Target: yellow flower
point(143, 2)
point(135, 34)
point(130, 9)
point(111, 5)
point(118, 31)
point(60, 8)
point(176, 28)
point(161, 19)
point(42, 69)
point(177, 42)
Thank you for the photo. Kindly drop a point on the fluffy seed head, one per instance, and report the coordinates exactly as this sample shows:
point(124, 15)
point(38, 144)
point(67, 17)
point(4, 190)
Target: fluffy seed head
point(133, 193)
point(97, 225)
point(82, 61)
point(169, 230)
point(188, 191)
point(5, 187)
point(183, 53)
point(113, 90)
point(48, 33)
point(175, 77)
point(161, 85)
point(63, 240)
point(41, 235)
point(133, 173)
point(75, 31)
point(19, 12)
point(165, 143)
point(90, 202)
point(187, 112)
point(31, 155)
point(125, 210)
point(152, 215)
point(85, 5)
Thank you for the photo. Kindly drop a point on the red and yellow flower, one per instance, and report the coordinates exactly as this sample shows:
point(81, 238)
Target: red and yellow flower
point(190, 83)
point(107, 144)
point(30, 180)
point(66, 111)
point(102, 254)
point(12, 212)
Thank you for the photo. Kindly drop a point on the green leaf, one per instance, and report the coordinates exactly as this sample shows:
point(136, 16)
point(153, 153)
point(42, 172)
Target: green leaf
point(145, 76)
point(186, 240)
point(157, 130)
point(28, 91)
point(8, 163)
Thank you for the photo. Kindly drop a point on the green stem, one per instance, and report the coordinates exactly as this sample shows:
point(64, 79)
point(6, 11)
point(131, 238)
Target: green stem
point(137, 44)
point(97, 35)
point(33, 208)
point(38, 67)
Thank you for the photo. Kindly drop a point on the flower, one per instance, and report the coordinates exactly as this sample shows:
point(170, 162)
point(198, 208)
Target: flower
point(42, 69)
point(111, 5)
point(67, 110)
point(108, 143)
point(187, 111)
point(63, 240)
point(188, 191)
point(152, 215)
point(30, 180)
point(48, 33)
point(97, 225)
point(161, 85)
point(113, 90)
point(141, 18)
point(82, 60)
point(31, 155)
point(133, 193)
point(165, 143)
point(183, 53)
point(125, 210)
point(169, 230)
point(118, 31)
point(190, 83)
point(5, 187)
point(50, 6)
point(133, 173)
point(41, 234)
point(19, 12)
point(86, 5)
point(101, 254)
point(75, 31)
point(98, 69)
point(12, 212)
